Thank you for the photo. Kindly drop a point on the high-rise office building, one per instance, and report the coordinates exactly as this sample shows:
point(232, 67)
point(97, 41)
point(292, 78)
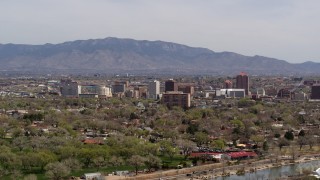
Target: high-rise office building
point(154, 89)
point(170, 85)
point(242, 82)
point(315, 92)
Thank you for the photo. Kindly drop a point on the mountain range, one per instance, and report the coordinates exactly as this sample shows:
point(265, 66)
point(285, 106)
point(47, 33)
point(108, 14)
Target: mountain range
point(115, 55)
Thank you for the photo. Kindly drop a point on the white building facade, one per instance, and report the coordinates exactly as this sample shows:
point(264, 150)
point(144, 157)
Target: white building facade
point(154, 89)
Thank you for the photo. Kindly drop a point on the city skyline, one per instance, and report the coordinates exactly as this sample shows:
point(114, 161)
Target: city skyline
point(279, 29)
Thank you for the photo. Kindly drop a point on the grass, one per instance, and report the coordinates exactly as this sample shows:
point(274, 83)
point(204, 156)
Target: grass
point(175, 161)
point(167, 162)
point(41, 174)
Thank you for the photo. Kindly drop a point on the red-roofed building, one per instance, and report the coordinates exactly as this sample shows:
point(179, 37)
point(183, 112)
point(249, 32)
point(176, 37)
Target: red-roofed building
point(242, 155)
point(93, 141)
point(231, 155)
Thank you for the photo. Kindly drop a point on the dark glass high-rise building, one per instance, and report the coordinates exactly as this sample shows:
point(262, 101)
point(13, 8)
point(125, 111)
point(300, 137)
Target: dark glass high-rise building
point(170, 85)
point(315, 92)
point(243, 82)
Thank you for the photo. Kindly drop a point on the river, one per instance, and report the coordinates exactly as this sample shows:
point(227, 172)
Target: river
point(276, 172)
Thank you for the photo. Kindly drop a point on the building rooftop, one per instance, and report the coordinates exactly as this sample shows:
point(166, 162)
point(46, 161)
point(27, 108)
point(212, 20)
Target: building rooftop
point(243, 74)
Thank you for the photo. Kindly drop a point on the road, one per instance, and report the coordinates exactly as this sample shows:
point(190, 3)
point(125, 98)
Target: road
point(210, 169)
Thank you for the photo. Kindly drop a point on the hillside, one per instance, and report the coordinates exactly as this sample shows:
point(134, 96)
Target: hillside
point(112, 55)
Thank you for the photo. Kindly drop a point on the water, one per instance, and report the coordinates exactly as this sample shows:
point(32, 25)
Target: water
point(276, 172)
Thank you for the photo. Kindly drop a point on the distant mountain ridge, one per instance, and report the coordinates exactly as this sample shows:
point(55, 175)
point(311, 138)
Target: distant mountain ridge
point(113, 55)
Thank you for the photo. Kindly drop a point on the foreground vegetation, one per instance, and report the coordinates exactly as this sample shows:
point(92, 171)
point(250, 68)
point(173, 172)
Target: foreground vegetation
point(50, 140)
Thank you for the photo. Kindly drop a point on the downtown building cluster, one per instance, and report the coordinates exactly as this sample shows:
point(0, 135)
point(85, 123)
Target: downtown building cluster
point(185, 94)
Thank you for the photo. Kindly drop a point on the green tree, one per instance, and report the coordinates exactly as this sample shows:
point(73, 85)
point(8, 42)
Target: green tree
point(17, 132)
point(116, 161)
point(258, 139)
point(219, 143)
point(265, 146)
point(29, 160)
point(2, 132)
point(10, 161)
point(238, 126)
point(201, 138)
point(136, 161)
point(3, 171)
point(151, 148)
point(289, 135)
point(30, 177)
point(66, 152)
point(277, 135)
point(186, 146)
point(245, 102)
point(16, 174)
point(87, 155)
point(72, 164)
point(166, 148)
point(20, 142)
point(152, 161)
point(45, 157)
point(192, 128)
point(57, 171)
point(98, 162)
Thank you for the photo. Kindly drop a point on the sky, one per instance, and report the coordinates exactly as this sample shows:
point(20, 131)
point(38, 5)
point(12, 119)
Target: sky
point(282, 29)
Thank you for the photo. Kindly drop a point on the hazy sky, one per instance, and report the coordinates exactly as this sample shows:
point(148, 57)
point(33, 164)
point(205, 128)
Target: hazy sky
point(283, 29)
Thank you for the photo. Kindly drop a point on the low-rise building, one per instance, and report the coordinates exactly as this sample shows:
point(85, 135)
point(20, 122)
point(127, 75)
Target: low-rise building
point(176, 98)
point(69, 88)
point(285, 93)
point(230, 93)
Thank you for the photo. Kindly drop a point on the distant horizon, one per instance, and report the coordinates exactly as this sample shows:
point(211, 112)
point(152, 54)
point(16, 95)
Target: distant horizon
point(283, 29)
point(39, 44)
